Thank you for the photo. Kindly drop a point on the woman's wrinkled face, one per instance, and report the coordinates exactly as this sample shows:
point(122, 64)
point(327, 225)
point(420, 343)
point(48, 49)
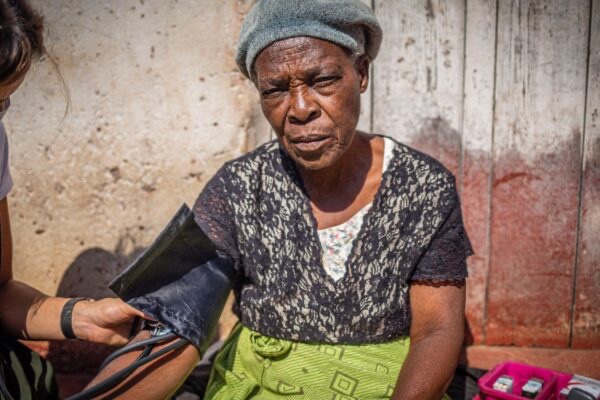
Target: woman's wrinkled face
point(310, 94)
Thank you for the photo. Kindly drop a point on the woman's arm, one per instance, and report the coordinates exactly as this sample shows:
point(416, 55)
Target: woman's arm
point(436, 337)
point(28, 313)
point(158, 379)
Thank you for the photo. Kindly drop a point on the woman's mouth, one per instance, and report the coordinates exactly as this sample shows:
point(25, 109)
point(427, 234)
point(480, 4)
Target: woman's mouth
point(310, 144)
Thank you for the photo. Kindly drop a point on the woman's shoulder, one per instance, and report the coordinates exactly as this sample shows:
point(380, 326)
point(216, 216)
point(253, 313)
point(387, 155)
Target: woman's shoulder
point(254, 160)
point(426, 169)
point(242, 174)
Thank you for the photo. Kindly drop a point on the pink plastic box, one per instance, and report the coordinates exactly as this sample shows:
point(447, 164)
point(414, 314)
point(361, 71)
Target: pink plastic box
point(553, 381)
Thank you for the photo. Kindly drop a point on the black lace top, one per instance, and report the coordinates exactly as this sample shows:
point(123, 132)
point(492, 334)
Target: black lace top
point(258, 214)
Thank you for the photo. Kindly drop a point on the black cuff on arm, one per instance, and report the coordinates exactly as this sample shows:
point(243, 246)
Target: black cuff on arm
point(180, 281)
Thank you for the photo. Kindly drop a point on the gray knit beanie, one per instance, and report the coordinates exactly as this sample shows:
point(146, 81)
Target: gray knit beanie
point(347, 23)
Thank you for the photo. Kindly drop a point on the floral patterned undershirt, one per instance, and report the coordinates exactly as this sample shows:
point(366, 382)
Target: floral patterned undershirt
point(336, 241)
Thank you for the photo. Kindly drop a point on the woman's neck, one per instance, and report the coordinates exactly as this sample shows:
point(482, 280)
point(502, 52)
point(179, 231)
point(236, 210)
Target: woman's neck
point(337, 186)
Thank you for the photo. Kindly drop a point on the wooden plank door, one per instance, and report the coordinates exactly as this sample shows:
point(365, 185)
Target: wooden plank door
point(418, 85)
point(539, 116)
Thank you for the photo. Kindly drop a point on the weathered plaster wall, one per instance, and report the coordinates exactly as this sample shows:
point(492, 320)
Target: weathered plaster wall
point(157, 105)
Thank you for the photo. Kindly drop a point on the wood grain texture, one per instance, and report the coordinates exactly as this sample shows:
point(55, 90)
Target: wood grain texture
point(539, 114)
point(582, 362)
point(586, 321)
point(477, 153)
point(418, 76)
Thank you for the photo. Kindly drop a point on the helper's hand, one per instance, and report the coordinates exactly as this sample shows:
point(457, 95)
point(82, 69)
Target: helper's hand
point(106, 321)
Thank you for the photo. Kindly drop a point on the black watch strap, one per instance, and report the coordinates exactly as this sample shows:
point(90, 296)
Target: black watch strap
point(66, 317)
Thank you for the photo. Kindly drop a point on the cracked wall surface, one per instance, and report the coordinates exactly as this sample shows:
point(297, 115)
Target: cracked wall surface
point(157, 105)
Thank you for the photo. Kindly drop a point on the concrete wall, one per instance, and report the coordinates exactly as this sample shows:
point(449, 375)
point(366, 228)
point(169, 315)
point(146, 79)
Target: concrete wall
point(157, 105)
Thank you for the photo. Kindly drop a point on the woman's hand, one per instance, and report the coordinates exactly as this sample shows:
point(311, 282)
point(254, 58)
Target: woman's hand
point(106, 321)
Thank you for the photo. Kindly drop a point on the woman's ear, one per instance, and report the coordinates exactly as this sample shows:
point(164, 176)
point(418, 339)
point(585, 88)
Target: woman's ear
point(362, 66)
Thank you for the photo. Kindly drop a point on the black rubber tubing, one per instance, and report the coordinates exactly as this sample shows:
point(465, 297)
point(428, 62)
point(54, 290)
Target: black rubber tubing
point(135, 346)
point(121, 375)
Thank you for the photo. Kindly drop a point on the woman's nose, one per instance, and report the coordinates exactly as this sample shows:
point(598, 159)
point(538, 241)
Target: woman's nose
point(303, 108)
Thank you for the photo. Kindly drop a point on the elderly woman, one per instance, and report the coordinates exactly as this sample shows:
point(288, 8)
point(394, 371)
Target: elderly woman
point(350, 247)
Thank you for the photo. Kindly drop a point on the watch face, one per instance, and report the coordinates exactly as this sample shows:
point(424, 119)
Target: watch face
point(4, 104)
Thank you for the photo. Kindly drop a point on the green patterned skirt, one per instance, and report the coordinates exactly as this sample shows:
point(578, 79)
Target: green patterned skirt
point(253, 366)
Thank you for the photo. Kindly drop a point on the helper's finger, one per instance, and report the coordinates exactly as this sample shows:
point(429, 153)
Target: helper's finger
point(134, 312)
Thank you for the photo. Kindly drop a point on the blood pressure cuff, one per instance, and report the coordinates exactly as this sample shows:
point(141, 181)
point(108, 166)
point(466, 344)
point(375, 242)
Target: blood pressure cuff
point(179, 281)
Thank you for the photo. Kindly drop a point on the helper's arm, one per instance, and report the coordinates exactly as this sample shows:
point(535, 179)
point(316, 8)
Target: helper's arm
point(28, 313)
point(158, 379)
point(436, 337)
point(24, 311)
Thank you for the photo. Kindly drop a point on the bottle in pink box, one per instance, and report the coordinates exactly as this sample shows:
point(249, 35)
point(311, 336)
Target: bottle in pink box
point(522, 374)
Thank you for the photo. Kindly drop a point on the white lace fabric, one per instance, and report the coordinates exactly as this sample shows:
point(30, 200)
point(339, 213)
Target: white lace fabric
point(336, 241)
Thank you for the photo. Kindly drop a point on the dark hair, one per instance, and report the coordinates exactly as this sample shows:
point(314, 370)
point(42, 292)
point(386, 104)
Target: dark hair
point(21, 38)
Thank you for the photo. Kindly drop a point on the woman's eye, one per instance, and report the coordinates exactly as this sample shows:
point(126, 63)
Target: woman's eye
point(271, 92)
point(325, 80)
